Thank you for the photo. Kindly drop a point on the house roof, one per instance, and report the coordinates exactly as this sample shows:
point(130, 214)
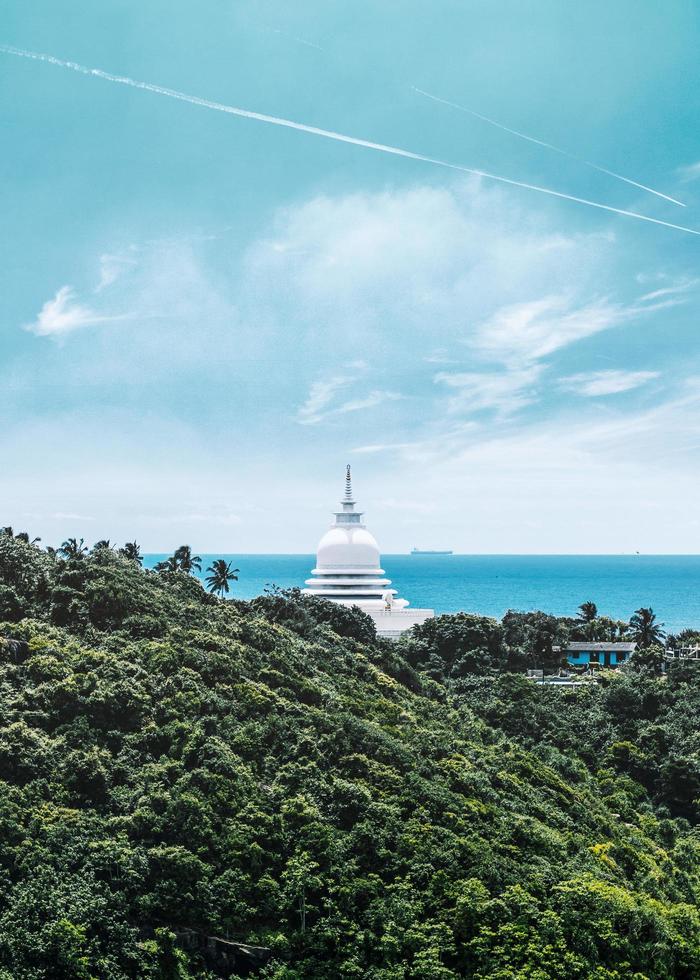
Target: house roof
point(602, 647)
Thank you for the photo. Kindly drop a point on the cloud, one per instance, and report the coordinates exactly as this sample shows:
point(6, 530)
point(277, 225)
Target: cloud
point(382, 447)
point(531, 330)
point(689, 172)
point(676, 288)
point(321, 394)
point(113, 266)
point(593, 384)
point(439, 356)
point(370, 400)
point(502, 391)
point(473, 286)
point(318, 406)
point(64, 313)
point(164, 280)
point(437, 261)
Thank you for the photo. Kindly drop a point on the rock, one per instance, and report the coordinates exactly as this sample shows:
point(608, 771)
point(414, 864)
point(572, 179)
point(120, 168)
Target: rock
point(223, 957)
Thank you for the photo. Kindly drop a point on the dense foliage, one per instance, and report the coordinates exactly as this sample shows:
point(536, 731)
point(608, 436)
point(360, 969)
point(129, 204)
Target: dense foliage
point(270, 772)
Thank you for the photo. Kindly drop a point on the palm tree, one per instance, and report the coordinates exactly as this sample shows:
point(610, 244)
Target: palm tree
point(221, 575)
point(167, 565)
point(644, 629)
point(186, 561)
point(131, 551)
point(72, 549)
point(588, 611)
point(20, 536)
point(104, 544)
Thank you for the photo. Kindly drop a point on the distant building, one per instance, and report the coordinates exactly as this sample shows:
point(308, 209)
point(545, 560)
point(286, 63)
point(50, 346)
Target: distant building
point(348, 572)
point(588, 654)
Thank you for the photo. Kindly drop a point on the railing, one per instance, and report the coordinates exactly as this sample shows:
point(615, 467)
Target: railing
point(683, 653)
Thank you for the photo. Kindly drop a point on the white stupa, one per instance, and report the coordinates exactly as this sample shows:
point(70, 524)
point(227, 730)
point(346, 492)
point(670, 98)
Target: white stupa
point(348, 571)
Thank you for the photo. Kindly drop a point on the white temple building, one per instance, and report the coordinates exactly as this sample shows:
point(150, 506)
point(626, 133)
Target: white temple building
point(348, 571)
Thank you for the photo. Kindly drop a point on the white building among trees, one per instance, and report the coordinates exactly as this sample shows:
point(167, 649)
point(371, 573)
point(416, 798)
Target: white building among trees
point(348, 571)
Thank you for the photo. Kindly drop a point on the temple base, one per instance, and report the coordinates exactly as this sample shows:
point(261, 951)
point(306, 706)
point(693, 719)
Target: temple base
point(390, 623)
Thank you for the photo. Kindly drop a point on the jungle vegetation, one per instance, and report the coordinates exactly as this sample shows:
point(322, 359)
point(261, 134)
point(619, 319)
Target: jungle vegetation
point(174, 763)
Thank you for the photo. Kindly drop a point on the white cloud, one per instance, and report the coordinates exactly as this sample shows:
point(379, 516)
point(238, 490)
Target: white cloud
point(65, 313)
point(432, 263)
point(593, 384)
point(439, 356)
point(679, 286)
point(167, 281)
point(528, 331)
point(370, 400)
point(382, 447)
point(689, 172)
point(319, 403)
point(113, 266)
point(502, 391)
point(349, 302)
point(321, 394)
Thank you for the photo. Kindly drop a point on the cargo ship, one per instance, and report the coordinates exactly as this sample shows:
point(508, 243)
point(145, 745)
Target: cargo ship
point(419, 551)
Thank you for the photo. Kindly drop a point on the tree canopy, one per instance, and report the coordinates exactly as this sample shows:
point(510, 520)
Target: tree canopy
point(179, 771)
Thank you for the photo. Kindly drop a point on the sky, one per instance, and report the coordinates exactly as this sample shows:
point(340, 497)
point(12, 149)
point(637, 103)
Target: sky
point(204, 317)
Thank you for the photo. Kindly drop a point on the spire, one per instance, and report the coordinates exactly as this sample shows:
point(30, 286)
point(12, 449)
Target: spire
point(347, 513)
point(348, 484)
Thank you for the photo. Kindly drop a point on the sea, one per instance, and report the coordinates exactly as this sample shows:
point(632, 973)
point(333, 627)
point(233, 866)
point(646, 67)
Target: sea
point(492, 584)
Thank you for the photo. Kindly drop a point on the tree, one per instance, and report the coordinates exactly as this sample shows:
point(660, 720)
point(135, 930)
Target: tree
point(535, 639)
point(220, 575)
point(455, 645)
point(186, 561)
point(168, 565)
point(644, 629)
point(104, 544)
point(588, 611)
point(686, 638)
point(303, 613)
point(20, 536)
point(181, 561)
point(132, 551)
point(72, 549)
point(298, 879)
point(649, 657)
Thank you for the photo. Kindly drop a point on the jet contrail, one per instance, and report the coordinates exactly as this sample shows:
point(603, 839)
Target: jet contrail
point(293, 37)
point(549, 146)
point(328, 134)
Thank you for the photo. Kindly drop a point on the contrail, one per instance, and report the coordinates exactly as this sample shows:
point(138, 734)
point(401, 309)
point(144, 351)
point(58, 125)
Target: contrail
point(549, 146)
point(329, 134)
point(299, 40)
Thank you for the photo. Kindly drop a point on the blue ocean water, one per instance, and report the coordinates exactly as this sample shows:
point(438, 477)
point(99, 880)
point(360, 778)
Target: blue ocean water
point(491, 584)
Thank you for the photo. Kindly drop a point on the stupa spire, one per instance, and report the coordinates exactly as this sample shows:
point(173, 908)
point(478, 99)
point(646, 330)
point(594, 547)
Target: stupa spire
point(348, 484)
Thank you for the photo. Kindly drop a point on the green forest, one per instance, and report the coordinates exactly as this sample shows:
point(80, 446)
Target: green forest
point(193, 786)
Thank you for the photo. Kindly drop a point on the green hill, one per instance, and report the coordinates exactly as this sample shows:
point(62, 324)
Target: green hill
point(175, 768)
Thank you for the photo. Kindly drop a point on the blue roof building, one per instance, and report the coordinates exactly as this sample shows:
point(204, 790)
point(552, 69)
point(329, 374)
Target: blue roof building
point(588, 654)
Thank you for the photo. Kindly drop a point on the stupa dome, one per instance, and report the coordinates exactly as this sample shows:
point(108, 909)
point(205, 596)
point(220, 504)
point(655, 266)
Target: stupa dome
point(349, 547)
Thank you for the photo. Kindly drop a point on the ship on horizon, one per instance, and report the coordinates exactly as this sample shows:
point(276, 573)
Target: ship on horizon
point(421, 551)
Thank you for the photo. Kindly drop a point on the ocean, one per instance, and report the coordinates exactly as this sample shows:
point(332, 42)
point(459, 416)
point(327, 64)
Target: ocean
point(491, 584)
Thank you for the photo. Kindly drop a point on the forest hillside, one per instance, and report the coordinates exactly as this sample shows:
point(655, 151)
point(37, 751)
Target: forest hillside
point(197, 787)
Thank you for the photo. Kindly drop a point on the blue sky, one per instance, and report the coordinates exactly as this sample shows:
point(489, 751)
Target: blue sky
point(204, 317)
